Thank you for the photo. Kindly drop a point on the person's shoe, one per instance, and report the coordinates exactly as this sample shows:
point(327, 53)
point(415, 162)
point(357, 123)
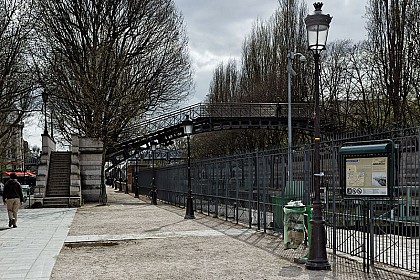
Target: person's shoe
point(10, 222)
point(15, 226)
point(13, 222)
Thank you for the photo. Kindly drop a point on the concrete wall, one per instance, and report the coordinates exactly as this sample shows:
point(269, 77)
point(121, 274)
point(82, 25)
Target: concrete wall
point(48, 146)
point(87, 161)
point(85, 174)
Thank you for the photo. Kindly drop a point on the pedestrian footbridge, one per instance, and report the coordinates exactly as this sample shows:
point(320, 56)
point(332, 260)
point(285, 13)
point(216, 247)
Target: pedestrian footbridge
point(211, 117)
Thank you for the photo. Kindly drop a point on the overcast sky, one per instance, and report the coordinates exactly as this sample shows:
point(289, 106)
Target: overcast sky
point(216, 30)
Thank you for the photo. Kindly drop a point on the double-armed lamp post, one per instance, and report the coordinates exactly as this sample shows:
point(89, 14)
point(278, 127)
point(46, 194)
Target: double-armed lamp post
point(290, 72)
point(188, 130)
point(317, 26)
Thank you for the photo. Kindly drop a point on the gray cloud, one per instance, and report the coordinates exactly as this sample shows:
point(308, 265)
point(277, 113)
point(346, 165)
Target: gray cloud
point(217, 29)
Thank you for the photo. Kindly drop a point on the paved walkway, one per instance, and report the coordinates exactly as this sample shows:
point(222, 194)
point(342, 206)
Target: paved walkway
point(132, 239)
point(29, 251)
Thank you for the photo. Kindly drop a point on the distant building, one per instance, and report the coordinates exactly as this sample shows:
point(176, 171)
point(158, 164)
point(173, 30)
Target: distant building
point(12, 150)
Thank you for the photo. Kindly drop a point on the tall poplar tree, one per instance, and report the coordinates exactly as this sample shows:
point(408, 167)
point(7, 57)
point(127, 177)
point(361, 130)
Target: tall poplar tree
point(393, 31)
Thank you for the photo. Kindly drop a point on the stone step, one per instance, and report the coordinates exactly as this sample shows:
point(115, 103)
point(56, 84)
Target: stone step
point(57, 191)
point(63, 182)
point(62, 186)
point(57, 182)
point(63, 201)
point(54, 195)
point(59, 174)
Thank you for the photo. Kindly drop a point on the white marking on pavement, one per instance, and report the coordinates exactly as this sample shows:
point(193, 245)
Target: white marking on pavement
point(156, 235)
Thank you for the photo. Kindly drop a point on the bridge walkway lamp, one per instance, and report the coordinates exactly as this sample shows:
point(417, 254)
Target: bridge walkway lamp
point(317, 26)
point(188, 130)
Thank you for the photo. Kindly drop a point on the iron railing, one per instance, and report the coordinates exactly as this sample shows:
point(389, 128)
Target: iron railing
point(223, 110)
point(252, 189)
point(169, 126)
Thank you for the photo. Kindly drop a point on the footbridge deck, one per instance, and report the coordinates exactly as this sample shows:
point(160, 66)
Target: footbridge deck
point(212, 117)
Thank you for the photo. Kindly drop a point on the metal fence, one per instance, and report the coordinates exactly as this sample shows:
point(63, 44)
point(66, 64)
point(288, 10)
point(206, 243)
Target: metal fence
point(252, 189)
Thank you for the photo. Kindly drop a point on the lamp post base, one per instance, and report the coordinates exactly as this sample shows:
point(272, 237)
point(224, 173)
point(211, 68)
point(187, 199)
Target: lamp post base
point(154, 198)
point(317, 257)
point(318, 265)
point(189, 213)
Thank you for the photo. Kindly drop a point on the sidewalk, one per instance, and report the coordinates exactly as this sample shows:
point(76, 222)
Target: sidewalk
point(131, 239)
point(29, 251)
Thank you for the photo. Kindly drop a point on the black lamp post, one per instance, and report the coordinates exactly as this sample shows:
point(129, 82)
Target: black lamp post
point(120, 178)
point(135, 178)
point(153, 146)
point(188, 130)
point(153, 192)
point(317, 31)
point(126, 177)
point(45, 100)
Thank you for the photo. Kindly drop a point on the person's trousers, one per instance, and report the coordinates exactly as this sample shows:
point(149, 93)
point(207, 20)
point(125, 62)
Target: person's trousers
point(12, 205)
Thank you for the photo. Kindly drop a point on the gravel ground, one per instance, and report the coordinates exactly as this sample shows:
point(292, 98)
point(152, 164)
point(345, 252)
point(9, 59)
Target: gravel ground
point(137, 240)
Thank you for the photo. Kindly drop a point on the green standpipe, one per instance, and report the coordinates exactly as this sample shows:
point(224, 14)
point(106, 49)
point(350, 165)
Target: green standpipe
point(308, 214)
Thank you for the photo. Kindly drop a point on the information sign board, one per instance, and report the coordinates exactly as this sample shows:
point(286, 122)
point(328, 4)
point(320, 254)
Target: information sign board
point(366, 170)
point(367, 176)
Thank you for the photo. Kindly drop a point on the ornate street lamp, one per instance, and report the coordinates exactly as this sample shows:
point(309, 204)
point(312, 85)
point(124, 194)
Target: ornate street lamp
point(290, 57)
point(45, 100)
point(317, 26)
point(188, 130)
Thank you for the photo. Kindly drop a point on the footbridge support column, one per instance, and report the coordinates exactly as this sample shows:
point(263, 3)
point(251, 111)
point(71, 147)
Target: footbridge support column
point(86, 167)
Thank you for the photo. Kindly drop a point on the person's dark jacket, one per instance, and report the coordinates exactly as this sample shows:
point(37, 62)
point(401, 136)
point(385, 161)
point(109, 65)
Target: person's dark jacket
point(12, 189)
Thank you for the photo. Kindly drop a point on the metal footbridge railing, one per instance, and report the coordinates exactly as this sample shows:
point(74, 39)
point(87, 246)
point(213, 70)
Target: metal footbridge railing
point(208, 117)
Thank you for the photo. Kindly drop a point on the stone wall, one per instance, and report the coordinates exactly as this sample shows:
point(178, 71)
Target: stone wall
point(48, 146)
point(86, 167)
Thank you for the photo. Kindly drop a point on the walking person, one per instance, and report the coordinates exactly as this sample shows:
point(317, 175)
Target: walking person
point(12, 198)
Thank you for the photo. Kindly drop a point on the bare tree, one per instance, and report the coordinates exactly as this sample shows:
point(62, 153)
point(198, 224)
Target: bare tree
point(262, 76)
point(16, 86)
point(105, 63)
point(349, 99)
point(264, 55)
point(393, 29)
point(225, 83)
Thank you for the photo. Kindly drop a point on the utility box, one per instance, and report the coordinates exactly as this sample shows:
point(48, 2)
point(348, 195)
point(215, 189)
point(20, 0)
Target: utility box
point(294, 224)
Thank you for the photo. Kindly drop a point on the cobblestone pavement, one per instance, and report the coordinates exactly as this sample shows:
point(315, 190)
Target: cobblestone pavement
point(131, 239)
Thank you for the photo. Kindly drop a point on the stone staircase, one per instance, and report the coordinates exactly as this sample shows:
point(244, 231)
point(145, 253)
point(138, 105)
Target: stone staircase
point(58, 185)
